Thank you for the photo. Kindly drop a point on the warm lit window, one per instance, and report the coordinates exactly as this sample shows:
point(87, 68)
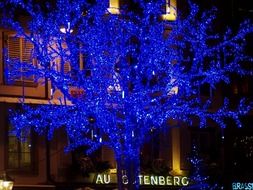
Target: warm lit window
point(114, 6)
point(171, 10)
point(18, 49)
point(67, 64)
point(67, 68)
point(19, 152)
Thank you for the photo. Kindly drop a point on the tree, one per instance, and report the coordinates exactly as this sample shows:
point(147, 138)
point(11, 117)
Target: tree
point(138, 72)
point(198, 180)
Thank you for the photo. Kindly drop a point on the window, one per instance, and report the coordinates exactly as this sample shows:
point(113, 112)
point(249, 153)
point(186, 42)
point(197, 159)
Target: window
point(18, 49)
point(171, 10)
point(66, 68)
point(20, 154)
point(114, 6)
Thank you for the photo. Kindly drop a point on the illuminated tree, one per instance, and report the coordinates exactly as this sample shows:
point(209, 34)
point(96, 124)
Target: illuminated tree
point(198, 180)
point(135, 71)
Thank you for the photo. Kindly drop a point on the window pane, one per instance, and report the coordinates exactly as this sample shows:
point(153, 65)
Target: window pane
point(13, 144)
point(25, 160)
point(114, 6)
point(25, 146)
point(13, 161)
point(19, 152)
point(18, 49)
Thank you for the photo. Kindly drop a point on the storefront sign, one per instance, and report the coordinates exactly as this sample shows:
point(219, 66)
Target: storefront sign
point(147, 180)
point(242, 186)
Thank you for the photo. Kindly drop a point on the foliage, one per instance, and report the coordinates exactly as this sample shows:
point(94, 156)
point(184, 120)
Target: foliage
point(198, 178)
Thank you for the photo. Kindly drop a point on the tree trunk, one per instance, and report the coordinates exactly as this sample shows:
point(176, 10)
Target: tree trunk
point(128, 169)
point(119, 174)
point(133, 170)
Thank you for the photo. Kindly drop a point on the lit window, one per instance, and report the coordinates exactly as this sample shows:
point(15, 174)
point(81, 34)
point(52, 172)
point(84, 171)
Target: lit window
point(171, 10)
point(114, 6)
point(18, 50)
point(19, 152)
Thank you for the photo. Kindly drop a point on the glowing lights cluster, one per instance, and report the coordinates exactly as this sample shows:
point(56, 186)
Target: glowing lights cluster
point(128, 67)
point(198, 180)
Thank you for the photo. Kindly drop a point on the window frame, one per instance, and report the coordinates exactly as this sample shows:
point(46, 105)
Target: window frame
point(33, 166)
point(23, 44)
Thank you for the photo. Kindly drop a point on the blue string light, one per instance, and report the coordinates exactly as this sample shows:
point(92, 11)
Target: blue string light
point(132, 64)
point(198, 180)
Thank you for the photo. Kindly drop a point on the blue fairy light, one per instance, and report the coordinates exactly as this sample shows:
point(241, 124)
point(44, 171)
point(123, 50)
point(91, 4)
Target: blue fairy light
point(127, 67)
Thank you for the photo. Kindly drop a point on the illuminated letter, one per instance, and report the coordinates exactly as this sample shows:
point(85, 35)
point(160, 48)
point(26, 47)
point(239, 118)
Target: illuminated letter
point(154, 180)
point(184, 181)
point(99, 179)
point(146, 180)
point(233, 186)
point(140, 179)
point(176, 180)
point(169, 180)
point(238, 186)
point(107, 179)
point(161, 180)
point(124, 179)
